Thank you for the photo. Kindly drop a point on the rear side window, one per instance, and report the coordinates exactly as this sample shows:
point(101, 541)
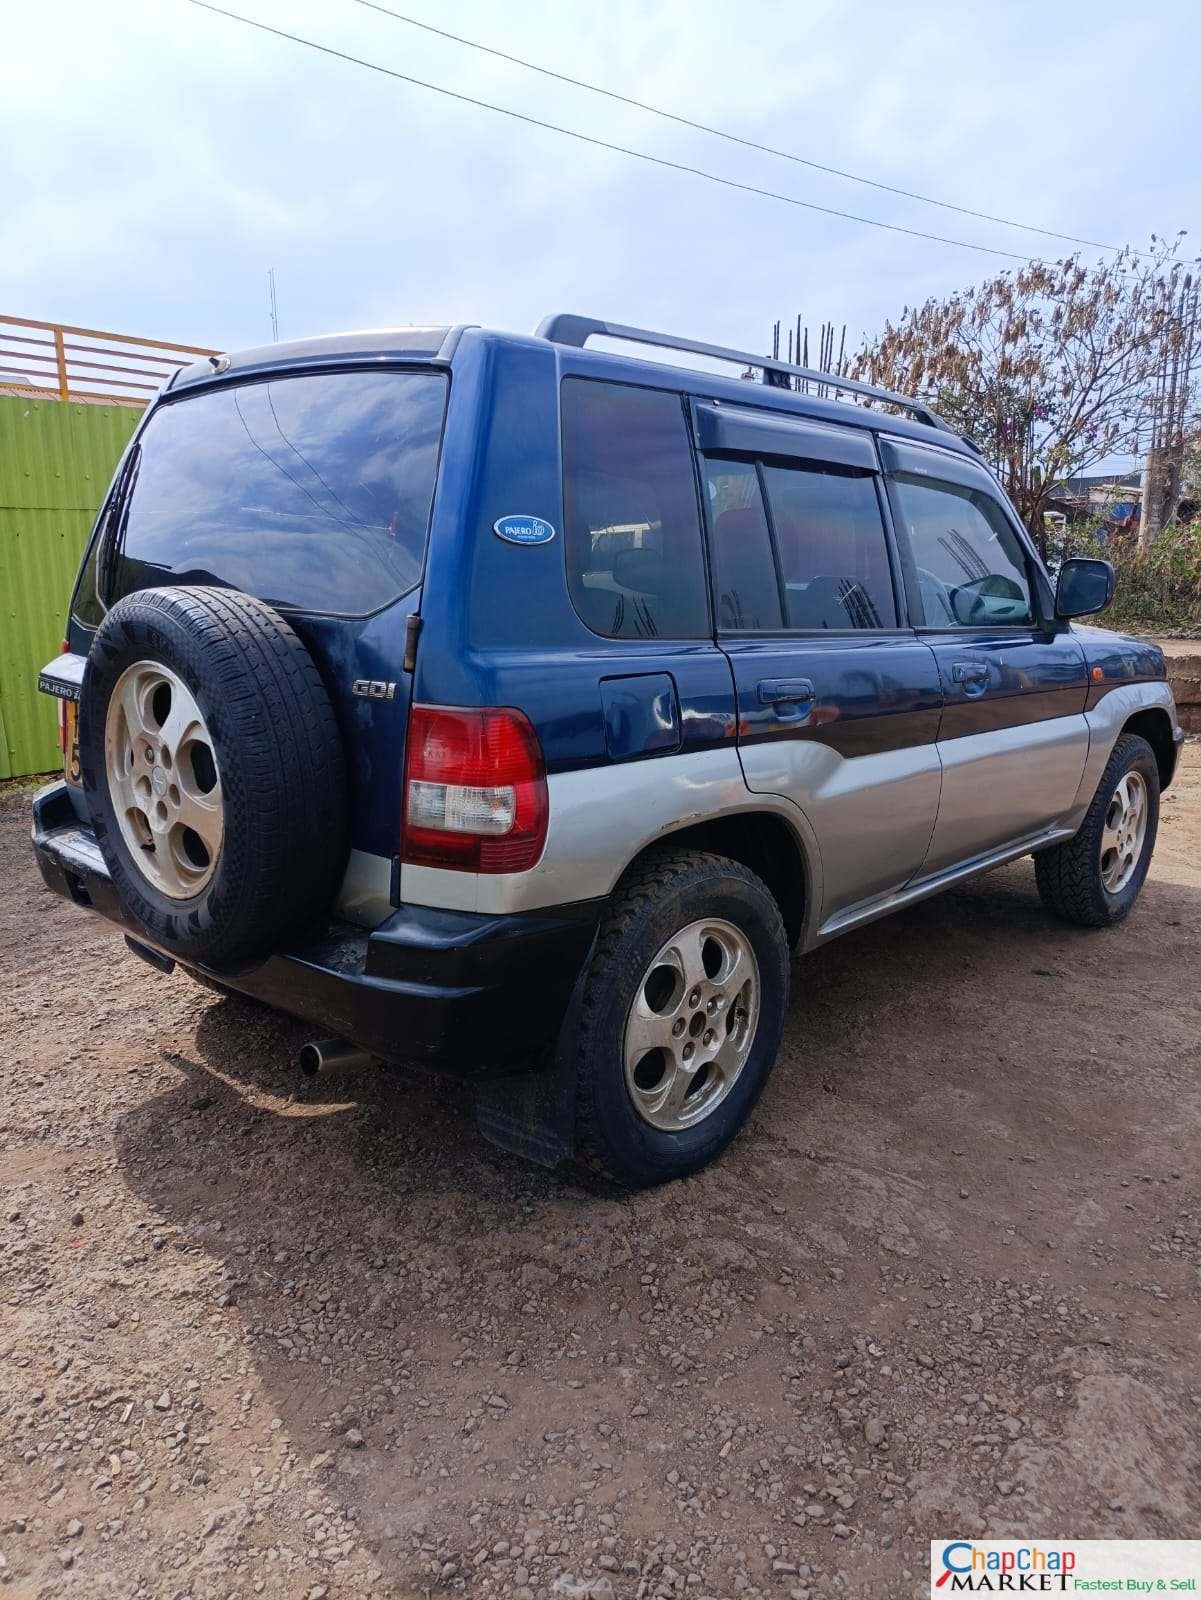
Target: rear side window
point(831, 547)
point(744, 569)
point(970, 568)
point(634, 557)
point(311, 491)
point(821, 563)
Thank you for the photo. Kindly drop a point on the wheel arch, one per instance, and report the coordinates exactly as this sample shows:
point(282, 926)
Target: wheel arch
point(1155, 726)
point(766, 844)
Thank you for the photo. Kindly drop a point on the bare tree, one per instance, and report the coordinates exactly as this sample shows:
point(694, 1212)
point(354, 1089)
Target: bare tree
point(1050, 369)
point(1190, 473)
point(1168, 433)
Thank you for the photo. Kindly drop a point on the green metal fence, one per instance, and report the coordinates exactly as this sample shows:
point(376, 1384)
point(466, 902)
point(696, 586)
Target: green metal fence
point(56, 460)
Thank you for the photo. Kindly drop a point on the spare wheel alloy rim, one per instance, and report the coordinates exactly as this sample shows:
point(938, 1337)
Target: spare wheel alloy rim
point(691, 1025)
point(163, 779)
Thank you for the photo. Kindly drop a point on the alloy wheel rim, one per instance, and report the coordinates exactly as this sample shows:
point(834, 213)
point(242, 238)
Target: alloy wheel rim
point(1124, 832)
point(163, 779)
point(691, 1024)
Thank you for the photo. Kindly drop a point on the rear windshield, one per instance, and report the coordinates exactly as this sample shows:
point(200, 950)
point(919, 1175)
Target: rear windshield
point(312, 492)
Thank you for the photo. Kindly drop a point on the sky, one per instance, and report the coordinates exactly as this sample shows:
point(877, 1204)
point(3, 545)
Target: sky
point(156, 160)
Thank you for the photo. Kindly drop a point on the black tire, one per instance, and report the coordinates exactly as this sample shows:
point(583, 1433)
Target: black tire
point(661, 897)
point(282, 775)
point(1069, 875)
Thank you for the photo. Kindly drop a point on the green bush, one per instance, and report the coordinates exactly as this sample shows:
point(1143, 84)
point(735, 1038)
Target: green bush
point(1158, 590)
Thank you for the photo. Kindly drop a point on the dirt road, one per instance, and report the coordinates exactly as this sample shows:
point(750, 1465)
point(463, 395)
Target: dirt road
point(259, 1338)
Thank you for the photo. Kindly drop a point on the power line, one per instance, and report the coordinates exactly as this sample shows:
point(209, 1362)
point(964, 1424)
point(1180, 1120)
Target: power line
point(606, 144)
point(734, 138)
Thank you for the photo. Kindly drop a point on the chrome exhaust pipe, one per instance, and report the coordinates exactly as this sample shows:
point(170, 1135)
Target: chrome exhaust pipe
point(329, 1055)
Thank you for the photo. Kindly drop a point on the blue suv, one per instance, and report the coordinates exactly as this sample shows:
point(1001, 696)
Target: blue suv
point(520, 708)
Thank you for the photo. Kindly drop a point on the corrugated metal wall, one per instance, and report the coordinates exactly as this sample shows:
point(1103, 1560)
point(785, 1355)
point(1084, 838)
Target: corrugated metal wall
point(56, 460)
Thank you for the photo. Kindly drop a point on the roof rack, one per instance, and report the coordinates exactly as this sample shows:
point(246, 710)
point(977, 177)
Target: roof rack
point(564, 328)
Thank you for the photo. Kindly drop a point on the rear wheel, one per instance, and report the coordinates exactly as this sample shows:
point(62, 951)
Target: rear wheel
point(680, 1018)
point(1094, 879)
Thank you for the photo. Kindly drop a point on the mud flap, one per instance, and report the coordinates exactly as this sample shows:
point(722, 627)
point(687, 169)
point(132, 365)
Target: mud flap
point(532, 1113)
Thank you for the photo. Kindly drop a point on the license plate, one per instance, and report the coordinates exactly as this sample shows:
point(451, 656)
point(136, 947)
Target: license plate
point(71, 757)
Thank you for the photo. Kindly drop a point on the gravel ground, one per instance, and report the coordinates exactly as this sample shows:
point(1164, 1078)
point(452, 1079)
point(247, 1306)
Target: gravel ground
point(261, 1337)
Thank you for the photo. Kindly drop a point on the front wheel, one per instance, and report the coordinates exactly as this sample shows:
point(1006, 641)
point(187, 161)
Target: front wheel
point(1094, 879)
point(680, 1018)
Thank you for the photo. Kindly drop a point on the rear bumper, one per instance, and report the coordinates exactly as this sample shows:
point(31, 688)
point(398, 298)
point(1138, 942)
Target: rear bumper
point(449, 990)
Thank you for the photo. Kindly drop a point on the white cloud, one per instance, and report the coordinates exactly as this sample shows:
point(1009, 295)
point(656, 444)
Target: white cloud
point(184, 155)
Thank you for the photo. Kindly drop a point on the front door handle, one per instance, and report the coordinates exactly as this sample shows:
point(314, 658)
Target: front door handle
point(973, 675)
point(797, 693)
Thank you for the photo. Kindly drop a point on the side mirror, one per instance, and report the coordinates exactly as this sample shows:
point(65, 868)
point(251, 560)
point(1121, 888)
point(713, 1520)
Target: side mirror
point(1085, 586)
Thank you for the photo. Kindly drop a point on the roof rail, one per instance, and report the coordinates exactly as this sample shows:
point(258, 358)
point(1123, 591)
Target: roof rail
point(564, 328)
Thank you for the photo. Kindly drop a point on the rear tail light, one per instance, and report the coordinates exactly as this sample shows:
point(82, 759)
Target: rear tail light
point(475, 790)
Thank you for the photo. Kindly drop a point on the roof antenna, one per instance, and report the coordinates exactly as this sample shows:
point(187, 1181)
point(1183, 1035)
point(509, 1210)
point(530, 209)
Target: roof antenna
point(272, 305)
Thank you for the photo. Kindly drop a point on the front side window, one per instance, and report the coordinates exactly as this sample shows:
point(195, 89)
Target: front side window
point(831, 546)
point(970, 567)
point(634, 556)
point(309, 491)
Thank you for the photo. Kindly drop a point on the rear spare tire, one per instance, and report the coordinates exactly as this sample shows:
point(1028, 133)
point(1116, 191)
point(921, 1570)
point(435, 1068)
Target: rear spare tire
point(213, 772)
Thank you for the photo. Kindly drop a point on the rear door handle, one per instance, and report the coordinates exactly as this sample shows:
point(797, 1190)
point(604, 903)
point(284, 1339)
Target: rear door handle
point(973, 675)
point(786, 691)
